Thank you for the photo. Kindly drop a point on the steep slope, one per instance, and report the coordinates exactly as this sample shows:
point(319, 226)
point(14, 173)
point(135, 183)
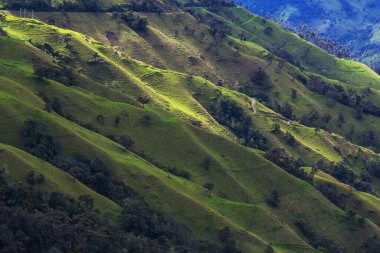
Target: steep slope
point(234, 64)
point(178, 141)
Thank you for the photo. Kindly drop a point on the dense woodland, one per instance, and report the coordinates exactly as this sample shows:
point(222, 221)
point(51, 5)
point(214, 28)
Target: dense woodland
point(33, 220)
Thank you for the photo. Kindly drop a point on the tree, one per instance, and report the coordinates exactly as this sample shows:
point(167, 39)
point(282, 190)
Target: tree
point(87, 202)
point(341, 119)
point(358, 114)
point(242, 36)
point(269, 249)
point(273, 199)
point(209, 187)
point(276, 128)
point(206, 163)
point(100, 119)
point(268, 30)
point(33, 179)
point(146, 119)
point(260, 77)
point(117, 121)
point(286, 110)
point(294, 94)
point(326, 118)
point(207, 77)
point(125, 141)
point(289, 138)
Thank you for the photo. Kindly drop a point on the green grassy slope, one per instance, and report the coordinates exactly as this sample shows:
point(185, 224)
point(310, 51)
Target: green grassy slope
point(112, 88)
point(233, 62)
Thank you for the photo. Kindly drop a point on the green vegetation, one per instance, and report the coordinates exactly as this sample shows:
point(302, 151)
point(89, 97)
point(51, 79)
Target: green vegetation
point(194, 121)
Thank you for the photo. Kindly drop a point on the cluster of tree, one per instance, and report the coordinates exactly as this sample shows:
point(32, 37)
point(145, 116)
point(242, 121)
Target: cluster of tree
point(330, 192)
point(217, 28)
point(52, 104)
point(91, 172)
point(142, 6)
point(283, 54)
point(368, 138)
point(32, 220)
point(173, 170)
point(82, 5)
point(330, 46)
point(214, 4)
point(317, 241)
point(347, 97)
point(344, 173)
point(287, 136)
point(39, 143)
point(340, 200)
point(285, 109)
point(64, 75)
point(372, 166)
point(51, 5)
point(261, 78)
point(133, 20)
point(292, 165)
point(228, 113)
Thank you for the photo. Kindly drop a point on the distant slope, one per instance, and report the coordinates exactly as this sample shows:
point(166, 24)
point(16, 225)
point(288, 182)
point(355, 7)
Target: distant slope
point(352, 23)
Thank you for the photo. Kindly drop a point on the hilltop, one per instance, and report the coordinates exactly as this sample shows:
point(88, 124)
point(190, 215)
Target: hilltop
point(188, 126)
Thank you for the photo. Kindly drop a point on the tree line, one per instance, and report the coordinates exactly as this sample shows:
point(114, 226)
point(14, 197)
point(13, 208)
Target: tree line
point(81, 5)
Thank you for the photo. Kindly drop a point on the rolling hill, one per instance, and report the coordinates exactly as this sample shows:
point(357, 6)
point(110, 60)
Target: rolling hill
point(209, 114)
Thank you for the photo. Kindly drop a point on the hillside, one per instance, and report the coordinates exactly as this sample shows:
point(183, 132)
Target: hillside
point(352, 23)
point(233, 133)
